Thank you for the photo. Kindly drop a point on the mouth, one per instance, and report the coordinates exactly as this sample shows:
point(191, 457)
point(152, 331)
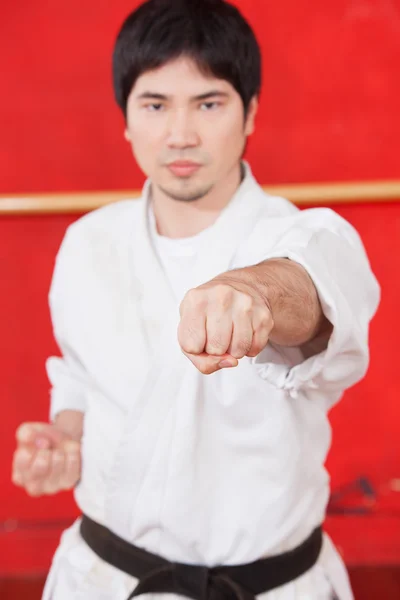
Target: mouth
point(183, 168)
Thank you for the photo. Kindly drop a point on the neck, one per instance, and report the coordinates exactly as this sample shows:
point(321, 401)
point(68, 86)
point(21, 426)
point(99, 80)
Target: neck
point(180, 219)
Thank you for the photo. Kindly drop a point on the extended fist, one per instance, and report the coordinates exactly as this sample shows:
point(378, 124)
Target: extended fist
point(46, 460)
point(221, 322)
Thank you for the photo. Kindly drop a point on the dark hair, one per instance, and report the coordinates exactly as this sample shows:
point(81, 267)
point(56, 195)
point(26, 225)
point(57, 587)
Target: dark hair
point(211, 32)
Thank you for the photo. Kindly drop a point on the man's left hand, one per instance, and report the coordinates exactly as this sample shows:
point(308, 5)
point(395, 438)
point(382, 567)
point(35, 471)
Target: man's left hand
point(222, 321)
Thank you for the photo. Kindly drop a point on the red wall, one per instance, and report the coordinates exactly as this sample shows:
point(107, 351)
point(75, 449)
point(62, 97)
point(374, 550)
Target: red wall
point(329, 107)
point(329, 111)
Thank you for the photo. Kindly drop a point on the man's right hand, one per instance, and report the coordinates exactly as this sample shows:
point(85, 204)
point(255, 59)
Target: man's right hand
point(47, 460)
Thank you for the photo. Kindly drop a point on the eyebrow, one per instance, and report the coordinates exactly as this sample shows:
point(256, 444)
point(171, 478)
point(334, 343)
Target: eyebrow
point(200, 97)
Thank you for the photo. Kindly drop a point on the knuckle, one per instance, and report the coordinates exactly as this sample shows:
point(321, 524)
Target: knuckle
point(255, 349)
point(190, 349)
point(217, 342)
point(23, 432)
point(57, 458)
point(38, 471)
point(195, 298)
point(15, 460)
point(244, 345)
point(189, 339)
point(265, 317)
point(223, 294)
point(26, 457)
point(33, 490)
point(263, 332)
point(24, 427)
point(265, 324)
point(246, 303)
point(42, 463)
point(73, 453)
point(71, 447)
point(241, 348)
point(19, 429)
point(16, 479)
point(23, 454)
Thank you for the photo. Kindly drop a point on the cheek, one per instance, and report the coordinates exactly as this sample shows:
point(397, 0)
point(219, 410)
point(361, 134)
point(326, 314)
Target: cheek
point(145, 140)
point(227, 138)
point(142, 132)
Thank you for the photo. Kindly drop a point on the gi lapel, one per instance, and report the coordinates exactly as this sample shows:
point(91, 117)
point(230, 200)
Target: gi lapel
point(146, 422)
point(233, 226)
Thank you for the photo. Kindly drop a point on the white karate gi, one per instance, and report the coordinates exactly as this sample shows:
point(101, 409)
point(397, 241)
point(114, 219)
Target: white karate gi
point(214, 470)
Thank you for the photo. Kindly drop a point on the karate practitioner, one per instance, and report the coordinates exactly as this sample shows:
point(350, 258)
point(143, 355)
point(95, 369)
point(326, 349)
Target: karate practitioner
point(206, 330)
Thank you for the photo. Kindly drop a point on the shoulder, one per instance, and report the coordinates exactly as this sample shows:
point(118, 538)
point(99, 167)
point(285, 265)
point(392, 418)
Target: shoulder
point(284, 211)
point(276, 206)
point(281, 226)
point(112, 220)
point(98, 234)
point(285, 215)
point(94, 242)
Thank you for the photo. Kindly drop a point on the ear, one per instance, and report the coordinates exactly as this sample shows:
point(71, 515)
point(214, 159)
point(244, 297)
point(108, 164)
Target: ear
point(127, 135)
point(251, 116)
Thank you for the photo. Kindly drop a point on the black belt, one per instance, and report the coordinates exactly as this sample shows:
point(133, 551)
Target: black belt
point(239, 582)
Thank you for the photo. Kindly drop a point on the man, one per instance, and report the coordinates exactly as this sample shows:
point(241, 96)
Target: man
point(206, 330)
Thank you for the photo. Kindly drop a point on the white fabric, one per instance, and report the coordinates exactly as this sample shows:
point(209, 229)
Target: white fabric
point(213, 470)
point(177, 256)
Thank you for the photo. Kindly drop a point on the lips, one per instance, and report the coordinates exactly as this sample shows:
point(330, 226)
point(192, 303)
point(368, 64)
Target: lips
point(183, 168)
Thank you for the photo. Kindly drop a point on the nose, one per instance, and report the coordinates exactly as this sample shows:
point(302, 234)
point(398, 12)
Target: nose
point(181, 130)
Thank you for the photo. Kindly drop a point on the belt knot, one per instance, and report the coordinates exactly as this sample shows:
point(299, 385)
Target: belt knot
point(192, 581)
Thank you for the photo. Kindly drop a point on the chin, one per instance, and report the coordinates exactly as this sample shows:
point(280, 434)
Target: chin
point(188, 194)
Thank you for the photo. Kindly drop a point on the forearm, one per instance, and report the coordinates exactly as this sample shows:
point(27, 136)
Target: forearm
point(292, 298)
point(71, 423)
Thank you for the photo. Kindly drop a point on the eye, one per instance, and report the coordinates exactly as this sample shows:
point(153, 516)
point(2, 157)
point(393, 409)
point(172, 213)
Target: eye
point(207, 106)
point(154, 107)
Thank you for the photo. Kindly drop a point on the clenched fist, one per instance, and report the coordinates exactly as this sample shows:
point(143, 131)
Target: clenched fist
point(47, 460)
point(222, 321)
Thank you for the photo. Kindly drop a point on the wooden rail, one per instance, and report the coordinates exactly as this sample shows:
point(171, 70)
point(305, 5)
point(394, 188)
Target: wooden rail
point(310, 194)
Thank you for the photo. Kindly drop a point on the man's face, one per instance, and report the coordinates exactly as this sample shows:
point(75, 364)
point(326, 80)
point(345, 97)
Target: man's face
point(187, 130)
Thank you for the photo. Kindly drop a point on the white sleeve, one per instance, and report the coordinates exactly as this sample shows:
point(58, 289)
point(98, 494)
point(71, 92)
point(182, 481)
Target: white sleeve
point(66, 374)
point(331, 251)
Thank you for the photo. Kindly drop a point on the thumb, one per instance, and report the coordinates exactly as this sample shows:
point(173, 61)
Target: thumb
point(40, 435)
point(208, 363)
